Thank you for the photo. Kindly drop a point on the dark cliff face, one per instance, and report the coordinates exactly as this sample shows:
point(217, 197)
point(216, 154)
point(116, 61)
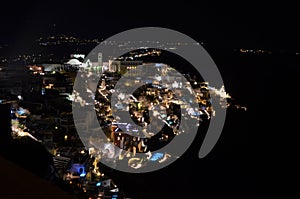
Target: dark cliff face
point(30, 155)
point(5, 123)
point(25, 152)
point(20, 183)
point(25, 165)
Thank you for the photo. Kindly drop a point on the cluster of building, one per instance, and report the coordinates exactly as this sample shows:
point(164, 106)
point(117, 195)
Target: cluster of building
point(158, 101)
point(41, 100)
point(40, 109)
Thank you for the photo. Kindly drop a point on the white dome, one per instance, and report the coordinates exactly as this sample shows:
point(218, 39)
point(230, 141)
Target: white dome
point(74, 62)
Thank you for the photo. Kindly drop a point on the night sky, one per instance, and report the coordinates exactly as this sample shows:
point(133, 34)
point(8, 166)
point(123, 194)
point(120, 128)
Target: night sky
point(243, 24)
